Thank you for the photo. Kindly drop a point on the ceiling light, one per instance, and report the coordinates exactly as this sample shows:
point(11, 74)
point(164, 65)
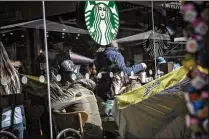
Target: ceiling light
point(63, 29)
point(22, 36)
point(47, 35)
point(3, 34)
point(76, 38)
point(11, 33)
point(78, 34)
point(63, 33)
point(63, 37)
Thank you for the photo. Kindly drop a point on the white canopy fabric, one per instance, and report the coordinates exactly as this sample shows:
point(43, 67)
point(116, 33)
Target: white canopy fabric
point(80, 59)
point(180, 39)
point(76, 58)
point(50, 26)
point(149, 35)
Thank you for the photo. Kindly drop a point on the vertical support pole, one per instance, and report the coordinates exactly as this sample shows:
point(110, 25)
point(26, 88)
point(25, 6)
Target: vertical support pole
point(153, 34)
point(47, 71)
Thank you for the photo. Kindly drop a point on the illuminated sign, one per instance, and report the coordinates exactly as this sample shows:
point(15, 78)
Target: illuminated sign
point(102, 21)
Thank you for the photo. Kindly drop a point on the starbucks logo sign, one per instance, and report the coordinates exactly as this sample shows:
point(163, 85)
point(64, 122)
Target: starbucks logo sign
point(161, 46)
point(102, 21)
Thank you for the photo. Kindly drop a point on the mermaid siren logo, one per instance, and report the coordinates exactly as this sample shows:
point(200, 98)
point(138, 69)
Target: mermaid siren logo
point(102, 21)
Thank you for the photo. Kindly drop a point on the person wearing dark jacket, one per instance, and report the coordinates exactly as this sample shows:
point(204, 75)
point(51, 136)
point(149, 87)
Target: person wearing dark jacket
point(63, 63)
point(112, 61)
point(114, 56)
point(75, 94)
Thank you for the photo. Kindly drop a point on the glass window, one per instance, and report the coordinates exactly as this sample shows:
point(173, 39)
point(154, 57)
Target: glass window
point(97, 51)
point(169, 40)
point(21, 35)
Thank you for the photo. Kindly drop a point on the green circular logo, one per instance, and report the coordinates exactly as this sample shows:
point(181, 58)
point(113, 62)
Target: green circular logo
point(102, 21)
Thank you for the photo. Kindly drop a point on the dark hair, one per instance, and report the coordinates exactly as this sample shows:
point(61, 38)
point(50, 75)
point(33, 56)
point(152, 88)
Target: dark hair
point(8, 72)
point(84, 69)
point(91, 65)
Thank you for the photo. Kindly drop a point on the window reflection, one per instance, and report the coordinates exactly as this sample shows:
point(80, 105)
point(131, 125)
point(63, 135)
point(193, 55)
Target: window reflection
point(79, 67)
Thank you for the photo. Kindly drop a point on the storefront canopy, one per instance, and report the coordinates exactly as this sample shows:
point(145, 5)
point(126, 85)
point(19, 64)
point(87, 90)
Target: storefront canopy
point(50, 26)
point(148, 35)
point(144, 36)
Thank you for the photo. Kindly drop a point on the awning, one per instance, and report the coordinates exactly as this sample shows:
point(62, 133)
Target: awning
point(148, 35)
point(50, 26)
point(144, 36)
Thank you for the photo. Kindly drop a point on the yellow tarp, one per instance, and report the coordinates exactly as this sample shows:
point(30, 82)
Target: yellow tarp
point(151, 88)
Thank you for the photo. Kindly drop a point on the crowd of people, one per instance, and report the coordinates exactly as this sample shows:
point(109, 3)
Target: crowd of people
point(82, 88)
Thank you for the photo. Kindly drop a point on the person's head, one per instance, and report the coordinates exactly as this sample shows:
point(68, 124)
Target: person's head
point(84, 69)
point(69, 74)
point(102, 11)
point(9, 75)
point(160, 60)
point(114, 44)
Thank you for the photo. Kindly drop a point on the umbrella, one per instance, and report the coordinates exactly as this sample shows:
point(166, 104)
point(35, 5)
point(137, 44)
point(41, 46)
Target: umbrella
point(51, 26)
point(162, 36)
point(144, 36)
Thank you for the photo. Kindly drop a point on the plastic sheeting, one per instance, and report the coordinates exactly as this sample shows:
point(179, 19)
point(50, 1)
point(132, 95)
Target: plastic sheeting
point(152, 116)
point(159, 114)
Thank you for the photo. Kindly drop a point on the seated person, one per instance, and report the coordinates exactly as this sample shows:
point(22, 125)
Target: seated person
point(76, 95)
point(160, 61)
point(165, 67)
point(90, 69)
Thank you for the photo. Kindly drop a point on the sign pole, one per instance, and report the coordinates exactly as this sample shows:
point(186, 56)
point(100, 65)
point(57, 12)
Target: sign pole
point(153, 34)
point(47, 71)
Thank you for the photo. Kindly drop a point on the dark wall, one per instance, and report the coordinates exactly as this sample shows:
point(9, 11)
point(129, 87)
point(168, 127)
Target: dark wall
point(17, 11)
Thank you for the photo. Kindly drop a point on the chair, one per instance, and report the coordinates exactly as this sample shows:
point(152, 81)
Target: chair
point(72, 122)
point(7, 135)
point(9, 101)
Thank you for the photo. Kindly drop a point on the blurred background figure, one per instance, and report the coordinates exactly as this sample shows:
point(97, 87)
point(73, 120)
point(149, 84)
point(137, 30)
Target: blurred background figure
point(160, 60)
point(40, 65)
point(92, 71)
